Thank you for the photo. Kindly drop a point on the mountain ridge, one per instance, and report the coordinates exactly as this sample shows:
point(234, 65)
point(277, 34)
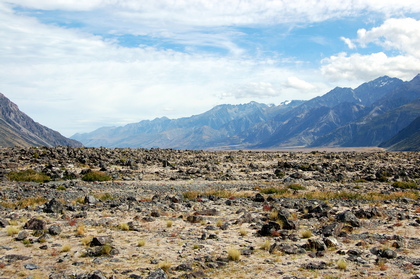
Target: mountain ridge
point(368, 115)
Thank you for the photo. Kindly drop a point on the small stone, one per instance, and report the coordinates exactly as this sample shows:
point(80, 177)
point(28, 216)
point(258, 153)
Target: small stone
point(101, 240)
point(31, 266)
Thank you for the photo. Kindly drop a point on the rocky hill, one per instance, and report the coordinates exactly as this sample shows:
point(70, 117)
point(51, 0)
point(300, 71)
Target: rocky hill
point(18, 129)
point(368, 115)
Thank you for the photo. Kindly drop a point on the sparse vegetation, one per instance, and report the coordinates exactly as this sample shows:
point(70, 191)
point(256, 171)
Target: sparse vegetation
point(65, 248)
point(265, 245)
point(12, 230)
point(141, 242)
point(296, 187)
point(306, 234)
point(28, 175)
point(405, 185)
point(106, 249)
point(164, 265)
point(80, 230)
point(96, 176)
point(124, 227)
point(234, 254)
point(342, 264)
point(169, 223)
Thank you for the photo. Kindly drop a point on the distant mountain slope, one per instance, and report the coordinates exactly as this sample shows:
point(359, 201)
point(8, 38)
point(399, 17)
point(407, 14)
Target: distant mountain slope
point(408, 139)
point(383, 119)
point(321, 115)
point(365, 116)
point(18, 129)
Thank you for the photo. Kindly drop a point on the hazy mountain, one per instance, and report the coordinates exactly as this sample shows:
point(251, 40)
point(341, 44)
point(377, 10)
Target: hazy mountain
point(408, 139)
point(18, 129)
point(365, 116)
point(217, 127)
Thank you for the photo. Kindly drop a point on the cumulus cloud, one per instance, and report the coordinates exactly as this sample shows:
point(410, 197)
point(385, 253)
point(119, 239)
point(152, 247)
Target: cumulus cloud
point(401, 37)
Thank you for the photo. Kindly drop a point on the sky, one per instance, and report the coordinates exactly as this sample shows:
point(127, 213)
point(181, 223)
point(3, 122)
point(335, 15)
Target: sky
point(75, 66)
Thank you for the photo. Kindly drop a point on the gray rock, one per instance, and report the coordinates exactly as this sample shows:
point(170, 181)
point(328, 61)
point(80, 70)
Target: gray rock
point(348, 217)
point(157, 274)
point(22, 235)
point(54, 230)
point(90, 199)
point(3, 223)
point(53, 206)
point(35, 224)
point(317, 244)
point(388, 253)
point(101, 240)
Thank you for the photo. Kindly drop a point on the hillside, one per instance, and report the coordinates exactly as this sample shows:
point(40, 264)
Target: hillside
point(18, 129)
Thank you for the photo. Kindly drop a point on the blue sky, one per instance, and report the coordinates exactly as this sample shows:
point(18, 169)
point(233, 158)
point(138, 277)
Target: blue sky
point(75, 66)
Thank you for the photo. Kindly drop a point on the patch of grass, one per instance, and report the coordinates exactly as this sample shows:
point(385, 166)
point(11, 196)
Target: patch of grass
point(141, 242)
point(12, 230)
point(306, 234)
point(106, 197)
point(189, 195)
point(106, 249)
point(61, 188)
point(65, 248)
point(164, 265)
point(342, 264)
point(124, 227)
point(266, 245)
point(96, 176)
point(405, 185)
point(296, 187)
point(169, 223)
point(219, 223)
point(274, 190)
point(274, 215)
point(28, 176)
point(86, 240)
point(243, 231)
point(234, 254)
point(80, 230)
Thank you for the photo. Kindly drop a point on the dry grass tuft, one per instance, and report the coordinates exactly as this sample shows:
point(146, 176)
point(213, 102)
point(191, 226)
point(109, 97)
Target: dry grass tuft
point(234, 254)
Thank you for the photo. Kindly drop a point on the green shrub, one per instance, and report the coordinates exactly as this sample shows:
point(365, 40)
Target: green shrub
point(296, 187)
point(405, 185)
point(274, 190)
point(96, 176)
point(28, 176)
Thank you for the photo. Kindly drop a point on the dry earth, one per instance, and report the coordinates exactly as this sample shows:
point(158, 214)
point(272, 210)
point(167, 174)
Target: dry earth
point(210, 214)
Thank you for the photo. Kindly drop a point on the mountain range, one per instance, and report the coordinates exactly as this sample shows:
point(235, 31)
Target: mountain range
point(383, 112)
point(18, 129)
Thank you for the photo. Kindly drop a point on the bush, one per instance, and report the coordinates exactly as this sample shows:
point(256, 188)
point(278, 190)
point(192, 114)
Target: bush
point(28, 176)
point(96, 176)
point(405, 185)
point(296, 187)
point(234, 254)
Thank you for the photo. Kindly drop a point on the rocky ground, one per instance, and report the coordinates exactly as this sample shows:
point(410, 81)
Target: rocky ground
point(210, 214)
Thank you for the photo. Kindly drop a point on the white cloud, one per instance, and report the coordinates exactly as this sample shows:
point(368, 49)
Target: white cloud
point(348, 42)
point(296, 83)
point(399, 36)
point(232, 12)
point(72, 81)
